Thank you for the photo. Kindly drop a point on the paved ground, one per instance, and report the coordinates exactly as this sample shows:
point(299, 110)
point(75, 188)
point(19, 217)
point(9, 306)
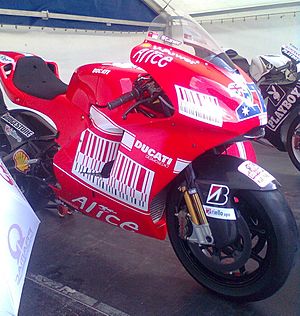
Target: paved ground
point(83, 267)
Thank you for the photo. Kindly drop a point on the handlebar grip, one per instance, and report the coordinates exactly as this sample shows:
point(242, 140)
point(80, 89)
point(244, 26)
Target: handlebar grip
point(124, 98)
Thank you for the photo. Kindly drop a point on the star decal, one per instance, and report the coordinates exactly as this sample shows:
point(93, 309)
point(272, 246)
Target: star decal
point(245, 110)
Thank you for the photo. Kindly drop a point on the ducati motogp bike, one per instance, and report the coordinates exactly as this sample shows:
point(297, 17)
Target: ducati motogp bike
point(145, 146)
point(278, 77)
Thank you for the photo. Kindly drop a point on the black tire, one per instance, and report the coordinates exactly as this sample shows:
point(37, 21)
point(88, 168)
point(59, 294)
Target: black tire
point(293, 142)
point(273, 244)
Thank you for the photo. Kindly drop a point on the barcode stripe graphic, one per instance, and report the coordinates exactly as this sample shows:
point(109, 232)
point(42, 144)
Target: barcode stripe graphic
point(140, 179)
point(199, 106)
point(129, 175)
point(129, 181)
point(136, 177)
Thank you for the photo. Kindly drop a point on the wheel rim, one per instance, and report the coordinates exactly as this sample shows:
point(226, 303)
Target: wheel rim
point(295, 142)
point(258, 258)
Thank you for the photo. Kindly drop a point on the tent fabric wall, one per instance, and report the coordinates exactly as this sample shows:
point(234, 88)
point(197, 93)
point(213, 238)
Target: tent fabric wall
point(134, 10)
point(251, 36)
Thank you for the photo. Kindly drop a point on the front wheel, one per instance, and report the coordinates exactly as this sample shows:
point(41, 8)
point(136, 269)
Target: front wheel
point(293, 142)
point(257, 263)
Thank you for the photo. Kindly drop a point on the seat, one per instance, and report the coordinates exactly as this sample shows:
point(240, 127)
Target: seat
point(33, 76)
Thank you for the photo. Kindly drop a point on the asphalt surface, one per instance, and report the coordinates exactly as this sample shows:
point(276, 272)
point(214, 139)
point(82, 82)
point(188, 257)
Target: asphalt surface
point(80, 266)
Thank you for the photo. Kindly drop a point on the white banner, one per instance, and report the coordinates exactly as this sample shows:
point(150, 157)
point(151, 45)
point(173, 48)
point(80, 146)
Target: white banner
point(18, 227)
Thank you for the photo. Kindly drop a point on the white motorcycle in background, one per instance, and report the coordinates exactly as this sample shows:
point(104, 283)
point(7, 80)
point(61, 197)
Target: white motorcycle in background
point(278, 79)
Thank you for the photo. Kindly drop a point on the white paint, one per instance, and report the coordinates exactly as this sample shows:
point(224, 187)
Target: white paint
point(256, 173)
point(220, 212)
point(201, 107)
point(180, 165)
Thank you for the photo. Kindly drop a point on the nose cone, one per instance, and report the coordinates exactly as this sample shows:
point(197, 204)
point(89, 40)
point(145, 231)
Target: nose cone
point(250, 100)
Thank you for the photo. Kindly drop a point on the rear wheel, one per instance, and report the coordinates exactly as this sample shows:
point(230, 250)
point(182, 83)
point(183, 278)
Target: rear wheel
point(293, 142)
point(257, 263)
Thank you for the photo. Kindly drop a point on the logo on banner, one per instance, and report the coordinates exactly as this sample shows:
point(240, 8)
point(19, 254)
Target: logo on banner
point(19, 247)
point(218, 194)
point(5, 175)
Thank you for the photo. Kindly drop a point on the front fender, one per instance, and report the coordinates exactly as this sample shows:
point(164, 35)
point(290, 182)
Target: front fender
point(218, 178)
point(236, 173)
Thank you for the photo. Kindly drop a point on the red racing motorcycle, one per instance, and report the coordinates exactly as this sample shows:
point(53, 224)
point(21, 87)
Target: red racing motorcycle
point(141, 146)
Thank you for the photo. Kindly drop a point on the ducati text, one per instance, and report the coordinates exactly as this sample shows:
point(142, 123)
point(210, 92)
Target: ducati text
point(153, 155)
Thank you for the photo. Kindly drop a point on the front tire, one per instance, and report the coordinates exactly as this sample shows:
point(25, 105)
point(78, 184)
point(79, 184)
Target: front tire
point(293, 142)
point(273, 237)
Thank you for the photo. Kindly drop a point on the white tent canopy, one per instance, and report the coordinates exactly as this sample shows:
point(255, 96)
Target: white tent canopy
point(205, 7)
point(252, 27)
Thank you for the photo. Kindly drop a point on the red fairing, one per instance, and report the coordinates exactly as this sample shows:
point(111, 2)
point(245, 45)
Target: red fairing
point(145, 153)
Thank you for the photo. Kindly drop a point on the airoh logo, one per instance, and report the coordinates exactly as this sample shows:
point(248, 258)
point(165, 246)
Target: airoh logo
point(218, 194)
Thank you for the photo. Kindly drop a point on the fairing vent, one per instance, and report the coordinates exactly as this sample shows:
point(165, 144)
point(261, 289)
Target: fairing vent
point(157, 206)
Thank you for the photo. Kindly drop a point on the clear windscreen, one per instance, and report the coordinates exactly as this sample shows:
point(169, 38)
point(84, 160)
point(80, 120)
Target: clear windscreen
point(184, 33)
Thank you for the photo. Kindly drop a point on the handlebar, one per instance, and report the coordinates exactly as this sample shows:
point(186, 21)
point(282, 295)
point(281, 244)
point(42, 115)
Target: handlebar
point(124, 98)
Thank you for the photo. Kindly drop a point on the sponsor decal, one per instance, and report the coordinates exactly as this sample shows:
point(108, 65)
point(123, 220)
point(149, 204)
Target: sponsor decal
point(121, 65)
point(256, 173)
point(199, 106)
point(170, 40)
point(247, 108)
point(21, 160)
point(153, 155)
point(129, 142)
point(11, 132)
point(102, 71)
point(170, 52)
point(275, 94)
point(154, 57)
point(284, 108)
point(291, 51)
point(220, 213)
point(129, 181)
point(24, 130)
point(5, 59)
point(153, 35)
point(218, 194)
point(19, 246)
point(104, 213)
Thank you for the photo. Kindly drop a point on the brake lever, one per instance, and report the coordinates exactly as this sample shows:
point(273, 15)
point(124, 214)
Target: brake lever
point(124, 116)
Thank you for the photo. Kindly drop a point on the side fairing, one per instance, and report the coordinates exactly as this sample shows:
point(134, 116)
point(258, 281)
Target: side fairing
point(202, 92)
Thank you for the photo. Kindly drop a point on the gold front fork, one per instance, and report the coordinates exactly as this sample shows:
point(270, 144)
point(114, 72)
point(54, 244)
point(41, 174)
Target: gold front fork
point(194, 206)
point(201, 233)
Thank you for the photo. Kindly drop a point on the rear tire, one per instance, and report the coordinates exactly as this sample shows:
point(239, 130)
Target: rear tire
point(274, 241)
point(293, 142)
